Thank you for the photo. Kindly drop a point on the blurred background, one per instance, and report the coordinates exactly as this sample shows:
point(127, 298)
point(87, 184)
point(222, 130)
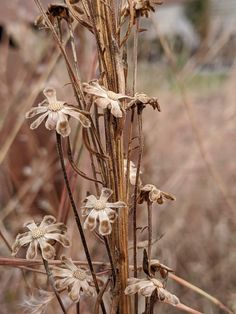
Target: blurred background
point(187, 60)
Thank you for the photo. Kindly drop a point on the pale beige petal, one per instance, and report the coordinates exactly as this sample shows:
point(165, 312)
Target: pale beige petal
point(155, 196)
point(104, 223)
point(61, 238)
point(116, 110)
point(52, 119)
point(31, 226)
point(147, 290)
point(87, 289)
point(118, 204)
point(90, 201)
point(50, 94)
point(63, 126)
point(25, 240)
point(94, 89)
point(103, 103)
point(68, 263)
point(34, 111)
point(148, 187)
point(62, 272)
point(77, 115)
point(112, 215)
point(91, 221)
point(74, 294)
point(38, 121)
point(105, 194)
point(48, 251)
point(32, 250)
point(59, 227)
point(64, 283)
point(47, 220)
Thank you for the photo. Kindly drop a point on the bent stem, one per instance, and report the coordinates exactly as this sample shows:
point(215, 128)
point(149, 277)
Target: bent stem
point(77, 218)
point(52, 283)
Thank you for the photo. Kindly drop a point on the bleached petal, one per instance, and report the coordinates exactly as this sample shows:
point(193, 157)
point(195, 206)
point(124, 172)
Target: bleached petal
point(50, 94)
point(104, 223)
point(48, 251)
point(63, 126)
point(38, 121)
point(77, 115)
point(32, 250)
point(112, 215)
point(47, 220)
point(118, 204)
point(74, 294)
point(105, 194)
point(91, 221)
point(62, 239)
point(52, 119)
point(116, 109)
point(103, 102)
point(69, 264)
point(34, 111)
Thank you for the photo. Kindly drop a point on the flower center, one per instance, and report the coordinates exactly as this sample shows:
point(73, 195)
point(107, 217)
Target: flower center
point(37, 233)
point(99, 205)
point(112, 95)
point(79, 274)
point(55, 106)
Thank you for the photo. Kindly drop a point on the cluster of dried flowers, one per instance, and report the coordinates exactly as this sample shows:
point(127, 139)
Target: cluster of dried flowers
point(99, 213)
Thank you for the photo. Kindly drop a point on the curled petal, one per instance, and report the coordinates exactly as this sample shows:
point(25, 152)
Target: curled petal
point(105, 194)
point(62, 284)
point(50, 94)
point(15, 247)
point(63, 127)
point(47, 220)
point(74, 294)
point(104, 223)
point(71, 111)
point(112, 215)
point(91, 221)
point(62, 239)
point(116, 110)
point(48, 251)
point(34, 111)
point(61, 272)
point(118, 204)
point(87, 288)
point(38, 121)
point(51, 122)
point(90, 201)
point(68, 263)
point(32, 250)
point(103, 102)
point(31, 226)
point(94, 89)
point(59, 227)
point(147, 290)
point(155, 196)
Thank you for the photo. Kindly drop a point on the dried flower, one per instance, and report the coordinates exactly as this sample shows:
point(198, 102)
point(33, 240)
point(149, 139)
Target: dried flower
point(140, 7)
point(40, 236)
point(76, 280)
point(146, 287)
point(144, 100)
point(132, 172)
point(151, 193)
point(54, 12)
point(98, 210)
point(57, 113)
point(38, 302)
point(106, 98)
point(156, 266)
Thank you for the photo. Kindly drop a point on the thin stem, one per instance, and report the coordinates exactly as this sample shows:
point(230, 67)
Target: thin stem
point(110, 260)
point(51, 281)
point(149, 207)
point(77, 219)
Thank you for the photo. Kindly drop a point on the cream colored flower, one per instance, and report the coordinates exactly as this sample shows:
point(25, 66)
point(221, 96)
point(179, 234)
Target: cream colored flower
point(132, 172)
point(153, 194)
point(99, 211)
point(146, 287)
point(57, 113)
point(76, 280)
point(40, 237)
point(106, 98)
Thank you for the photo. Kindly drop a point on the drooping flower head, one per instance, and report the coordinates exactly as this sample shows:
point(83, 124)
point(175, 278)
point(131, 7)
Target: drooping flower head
point(41, 237)
point(146, 287)
point(76, 280)
point(57, 113)
point(106, 98)
point(150, 192)
point(99, 211)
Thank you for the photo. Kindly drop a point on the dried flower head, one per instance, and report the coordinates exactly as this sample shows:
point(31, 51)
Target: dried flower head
point(146, 287)
point(41, 237)
point(156, 266)
point(57, 113)
point(76, 280)
point(140, 7)
point(106, 98)
point(132, 172)
point(143, 99)
point(54, 13)
point(151, 193)
point(99, 210)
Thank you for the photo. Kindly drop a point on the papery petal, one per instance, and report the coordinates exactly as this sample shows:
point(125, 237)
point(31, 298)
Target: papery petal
point(147, 290)
point(32, 250)
point(74, 294)
point(58, 227)
point(103, 102)
point(62, 272)
point(52, 119)
point(155, 195)
point(61, 284)
point(77, 115)
point(50, 94)
point(116, 110)
point(118, 204)
point(105, 194)
point(59, 238)
point(90, 201)
point(94, 89)
point(38, 121)
point(104, 223)
point(47, 220)
point(91, 221)
point(112, 215)
point(87, 288)
point(63, 126)
point(48, 251)
point(148, 187)
point(68, 263)
point(25, 240)
point(34, 111)
point(31, 226)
